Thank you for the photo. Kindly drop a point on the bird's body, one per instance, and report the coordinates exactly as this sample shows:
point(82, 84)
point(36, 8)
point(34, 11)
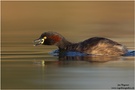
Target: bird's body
point(94, 45)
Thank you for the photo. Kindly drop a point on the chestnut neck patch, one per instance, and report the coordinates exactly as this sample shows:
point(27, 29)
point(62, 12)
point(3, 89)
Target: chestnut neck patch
point(56, 38)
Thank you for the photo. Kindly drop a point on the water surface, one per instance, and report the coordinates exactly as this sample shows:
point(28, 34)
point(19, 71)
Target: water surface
point(40, 70)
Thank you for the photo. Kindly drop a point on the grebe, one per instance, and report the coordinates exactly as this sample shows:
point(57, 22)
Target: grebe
point(94, 45)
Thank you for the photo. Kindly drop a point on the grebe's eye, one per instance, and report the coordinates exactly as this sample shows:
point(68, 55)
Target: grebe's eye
point(45, 37)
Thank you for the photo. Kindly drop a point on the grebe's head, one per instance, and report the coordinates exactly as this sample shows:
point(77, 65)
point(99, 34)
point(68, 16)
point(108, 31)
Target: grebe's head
point(48, 38)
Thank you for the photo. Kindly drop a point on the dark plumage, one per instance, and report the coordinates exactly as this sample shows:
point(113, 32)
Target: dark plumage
point(94, 45)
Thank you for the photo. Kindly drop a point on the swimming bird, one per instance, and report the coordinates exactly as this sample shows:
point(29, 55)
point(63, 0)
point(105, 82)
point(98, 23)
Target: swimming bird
point(92, 46)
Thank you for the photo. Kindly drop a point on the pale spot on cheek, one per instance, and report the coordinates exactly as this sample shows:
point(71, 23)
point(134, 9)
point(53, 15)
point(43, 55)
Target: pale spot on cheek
point(42, 41)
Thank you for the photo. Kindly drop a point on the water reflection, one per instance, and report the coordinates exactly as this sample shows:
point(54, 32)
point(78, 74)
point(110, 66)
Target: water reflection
point(75, 60)
point(88, 58)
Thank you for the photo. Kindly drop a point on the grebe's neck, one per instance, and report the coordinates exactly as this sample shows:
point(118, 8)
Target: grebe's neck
point(63, 44)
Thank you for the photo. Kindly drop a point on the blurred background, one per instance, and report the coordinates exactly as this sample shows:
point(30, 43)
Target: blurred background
point(76, 21)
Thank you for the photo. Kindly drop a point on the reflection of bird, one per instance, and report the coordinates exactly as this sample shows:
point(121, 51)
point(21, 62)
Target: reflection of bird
point(94, 45)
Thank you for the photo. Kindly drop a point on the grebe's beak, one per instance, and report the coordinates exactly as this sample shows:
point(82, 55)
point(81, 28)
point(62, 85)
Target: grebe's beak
point(38, 42)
